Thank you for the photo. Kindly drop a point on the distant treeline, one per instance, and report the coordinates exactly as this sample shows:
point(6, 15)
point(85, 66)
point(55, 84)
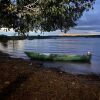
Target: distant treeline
point(4, 37)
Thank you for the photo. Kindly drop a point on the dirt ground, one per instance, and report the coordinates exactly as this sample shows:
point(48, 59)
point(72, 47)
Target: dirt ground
point(27, 80)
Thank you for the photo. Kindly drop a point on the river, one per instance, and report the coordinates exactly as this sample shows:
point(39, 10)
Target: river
point(59, 46)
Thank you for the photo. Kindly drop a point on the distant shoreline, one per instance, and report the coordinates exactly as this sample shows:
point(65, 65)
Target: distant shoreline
point(4, 37)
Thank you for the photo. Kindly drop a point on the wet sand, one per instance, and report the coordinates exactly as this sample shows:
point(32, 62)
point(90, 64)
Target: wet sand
point(27, 80)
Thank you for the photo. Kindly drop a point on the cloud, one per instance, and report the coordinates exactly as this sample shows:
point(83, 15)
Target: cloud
point(94, 27)
point(90, 21)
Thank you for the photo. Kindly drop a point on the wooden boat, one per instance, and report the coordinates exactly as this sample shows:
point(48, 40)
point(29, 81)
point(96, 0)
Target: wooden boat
point(56, 57)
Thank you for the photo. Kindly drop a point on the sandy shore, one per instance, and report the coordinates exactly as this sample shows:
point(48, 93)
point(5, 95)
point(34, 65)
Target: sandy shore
point(27, 80)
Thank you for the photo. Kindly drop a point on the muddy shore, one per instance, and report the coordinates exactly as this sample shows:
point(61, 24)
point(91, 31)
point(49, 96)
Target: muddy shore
point(27, 80)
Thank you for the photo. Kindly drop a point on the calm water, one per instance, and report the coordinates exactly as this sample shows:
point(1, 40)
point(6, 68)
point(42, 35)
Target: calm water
point(62, 46)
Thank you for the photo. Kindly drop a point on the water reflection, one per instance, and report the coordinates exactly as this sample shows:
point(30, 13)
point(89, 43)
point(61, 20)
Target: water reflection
point(4, 43)
point(14, 47)
point(73, 68)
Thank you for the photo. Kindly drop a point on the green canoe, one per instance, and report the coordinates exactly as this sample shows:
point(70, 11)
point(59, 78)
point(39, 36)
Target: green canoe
point(56, 57)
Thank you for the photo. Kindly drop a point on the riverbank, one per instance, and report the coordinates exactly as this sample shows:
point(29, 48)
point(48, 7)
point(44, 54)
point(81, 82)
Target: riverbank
point(27, 80)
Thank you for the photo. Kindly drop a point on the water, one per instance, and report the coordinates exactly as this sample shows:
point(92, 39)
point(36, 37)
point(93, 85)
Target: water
point(59, 46)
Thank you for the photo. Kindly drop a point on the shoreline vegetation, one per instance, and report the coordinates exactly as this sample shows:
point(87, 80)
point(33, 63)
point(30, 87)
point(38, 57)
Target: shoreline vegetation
point(5, 37)
point(28, 80)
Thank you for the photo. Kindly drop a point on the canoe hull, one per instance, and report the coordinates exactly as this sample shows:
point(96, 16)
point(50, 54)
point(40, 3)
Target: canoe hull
point(55, 57)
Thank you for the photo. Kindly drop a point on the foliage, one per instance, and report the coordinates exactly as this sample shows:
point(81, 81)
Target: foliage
point(45, 15)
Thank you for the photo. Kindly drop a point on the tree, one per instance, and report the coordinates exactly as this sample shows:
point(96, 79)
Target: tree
point(45, 15)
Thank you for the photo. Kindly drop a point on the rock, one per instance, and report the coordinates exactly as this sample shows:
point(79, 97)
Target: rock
point(22, 85)
point(60, 72)
point(73, 83)
point(7, 82)
point(15, 67)
point(30, 64)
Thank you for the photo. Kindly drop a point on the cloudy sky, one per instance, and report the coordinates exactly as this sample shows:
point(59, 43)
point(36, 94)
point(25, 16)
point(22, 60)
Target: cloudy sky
point(88, 23)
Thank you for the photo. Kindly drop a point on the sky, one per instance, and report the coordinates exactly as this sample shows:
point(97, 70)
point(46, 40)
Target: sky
point(89, 23)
